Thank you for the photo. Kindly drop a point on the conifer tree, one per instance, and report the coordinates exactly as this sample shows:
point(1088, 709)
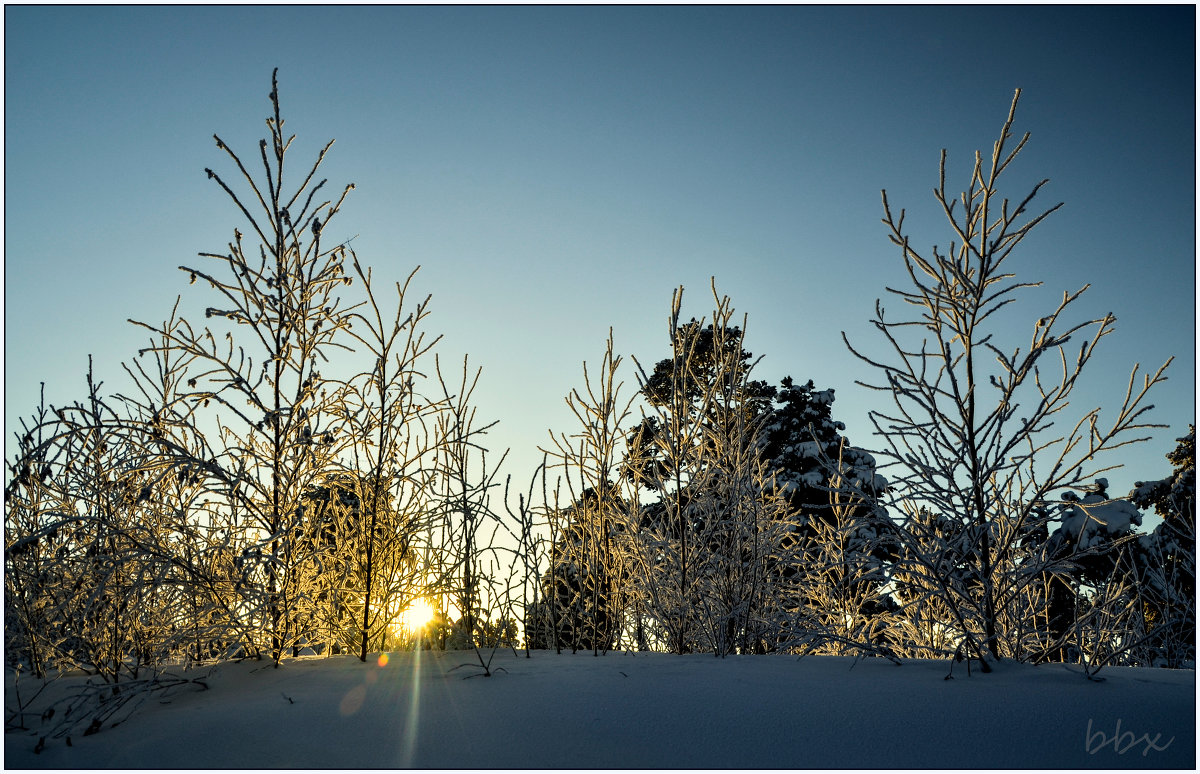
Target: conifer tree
point(1168, 556)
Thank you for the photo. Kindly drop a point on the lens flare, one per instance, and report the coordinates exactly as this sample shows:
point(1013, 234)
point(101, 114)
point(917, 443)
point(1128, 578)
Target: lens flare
point(353, 700)
point(412, 722)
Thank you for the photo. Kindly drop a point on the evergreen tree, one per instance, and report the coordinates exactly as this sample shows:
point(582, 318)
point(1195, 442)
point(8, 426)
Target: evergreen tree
point(1174, 499)
point(1093, 543)
point(707, 409)
point(1170, 555)
point(579, 591)
point(342, 524)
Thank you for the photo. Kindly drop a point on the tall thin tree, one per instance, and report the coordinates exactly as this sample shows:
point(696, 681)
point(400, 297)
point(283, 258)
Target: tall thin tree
point(967, 434)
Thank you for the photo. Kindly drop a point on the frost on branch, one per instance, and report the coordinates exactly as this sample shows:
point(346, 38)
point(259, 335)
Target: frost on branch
point(976, 441)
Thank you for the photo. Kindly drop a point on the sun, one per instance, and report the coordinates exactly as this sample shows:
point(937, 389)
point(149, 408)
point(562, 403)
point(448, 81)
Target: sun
point(416, 616)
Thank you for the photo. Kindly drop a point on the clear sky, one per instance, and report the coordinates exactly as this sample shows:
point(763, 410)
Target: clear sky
point(559, 170)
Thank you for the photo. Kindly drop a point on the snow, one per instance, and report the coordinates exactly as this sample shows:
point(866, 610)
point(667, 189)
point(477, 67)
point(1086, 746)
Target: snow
point(822, 397)
point(427, 710)
point(1093, 518)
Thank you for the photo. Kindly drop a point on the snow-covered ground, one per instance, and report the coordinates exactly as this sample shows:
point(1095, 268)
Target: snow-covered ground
point(627, 710)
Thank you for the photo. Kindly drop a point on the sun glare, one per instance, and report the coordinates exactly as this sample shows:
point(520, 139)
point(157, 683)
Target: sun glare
point(416, 616)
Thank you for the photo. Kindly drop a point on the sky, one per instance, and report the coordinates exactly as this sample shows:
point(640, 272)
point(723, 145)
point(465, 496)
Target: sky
point(557, 171)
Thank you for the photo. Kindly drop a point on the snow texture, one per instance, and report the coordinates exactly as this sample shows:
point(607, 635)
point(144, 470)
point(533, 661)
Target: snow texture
point(642, 711)
point(1094, 519)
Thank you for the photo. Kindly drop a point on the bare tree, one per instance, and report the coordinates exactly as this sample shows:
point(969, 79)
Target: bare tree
point(591, 557)
point(663, 451)
point(81, 490)
point(843, 603)
point(461, 551)
point(388, 421)
point(273, 413)
point(115, 559)
point(522, 523)
point(705, 546)
point(744, 520)
point(970, 431)
point(194, 533)
point(33, 546)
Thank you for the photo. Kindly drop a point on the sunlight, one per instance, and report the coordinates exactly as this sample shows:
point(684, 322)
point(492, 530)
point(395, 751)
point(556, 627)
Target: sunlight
point(416, 616)
point(413, 720)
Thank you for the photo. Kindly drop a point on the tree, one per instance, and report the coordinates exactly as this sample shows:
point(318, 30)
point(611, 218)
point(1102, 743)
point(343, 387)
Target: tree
point(807, 451)
point(29, 553)
point(968, 429)
point(1095, 532)
point(387, 417)
point(322, 617)
point(1168, 556)
point(709, 545)
point(671, 450)
point(752, 443)
point(274, 412)
point(585, 595)
point(195, 534)
point(90, 585)
point(1174, 499)
point(237, 499)
point(841, 552)
point(459, 558)
point(842, 566)
point(584, 591)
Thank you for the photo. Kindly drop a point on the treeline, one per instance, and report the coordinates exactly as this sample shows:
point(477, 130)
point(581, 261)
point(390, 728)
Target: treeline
point(290, 474)
point(731, 516)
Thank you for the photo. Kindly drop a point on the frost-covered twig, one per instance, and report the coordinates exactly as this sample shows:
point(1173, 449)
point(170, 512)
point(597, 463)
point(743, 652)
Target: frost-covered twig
point(969, 439)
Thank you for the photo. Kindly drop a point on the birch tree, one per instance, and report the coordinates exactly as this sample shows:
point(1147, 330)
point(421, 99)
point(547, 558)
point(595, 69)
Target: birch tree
point(277, 289)
point(977, 433)
point(461, 553)
point(585, 582)
point(389, 422)
point(705, 543)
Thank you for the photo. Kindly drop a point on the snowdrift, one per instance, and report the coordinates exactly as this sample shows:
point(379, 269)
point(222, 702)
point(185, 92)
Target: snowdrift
point(623, 710)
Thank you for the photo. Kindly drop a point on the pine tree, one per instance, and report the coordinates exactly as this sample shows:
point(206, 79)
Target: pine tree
point(737, 424)
point(1092, 541)
point(582, 590)
point(1169, 556)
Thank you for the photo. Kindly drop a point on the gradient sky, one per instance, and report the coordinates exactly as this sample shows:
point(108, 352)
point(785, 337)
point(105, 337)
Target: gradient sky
point(559, 170)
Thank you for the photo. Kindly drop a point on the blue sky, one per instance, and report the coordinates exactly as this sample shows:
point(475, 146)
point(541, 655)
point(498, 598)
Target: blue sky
point(559, 170)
